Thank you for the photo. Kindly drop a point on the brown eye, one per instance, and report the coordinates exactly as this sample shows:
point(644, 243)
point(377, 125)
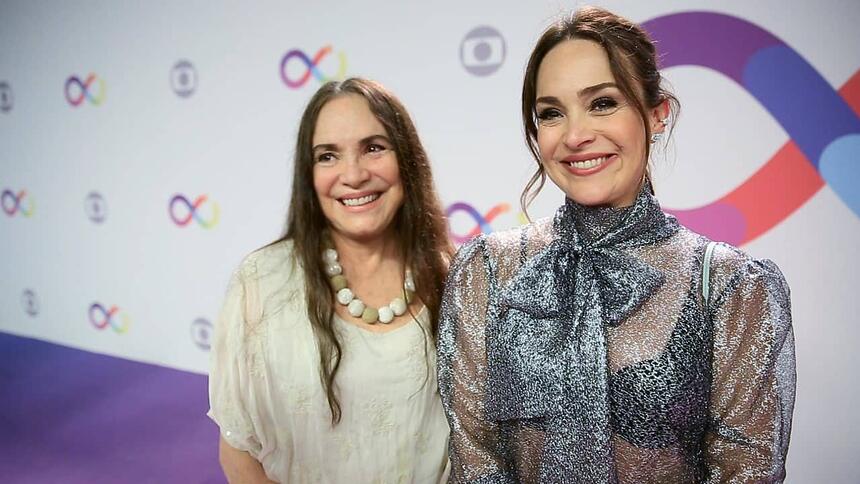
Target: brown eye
point(325, 157)
point(375, 148)
point(604, 104)
point(548, 114)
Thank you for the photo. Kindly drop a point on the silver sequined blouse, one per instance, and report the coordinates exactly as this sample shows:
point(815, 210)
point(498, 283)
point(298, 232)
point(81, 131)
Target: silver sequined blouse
point(580, 349)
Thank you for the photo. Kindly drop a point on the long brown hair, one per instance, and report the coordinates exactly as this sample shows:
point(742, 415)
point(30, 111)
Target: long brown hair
point(632, 60)
point(420, 222)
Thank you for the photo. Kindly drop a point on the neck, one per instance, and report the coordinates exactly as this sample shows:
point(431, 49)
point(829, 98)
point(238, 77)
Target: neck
point(641, 223)
point(592, 222)
point(366, 255)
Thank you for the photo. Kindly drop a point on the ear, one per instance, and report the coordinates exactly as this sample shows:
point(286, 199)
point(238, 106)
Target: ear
point(658, 116)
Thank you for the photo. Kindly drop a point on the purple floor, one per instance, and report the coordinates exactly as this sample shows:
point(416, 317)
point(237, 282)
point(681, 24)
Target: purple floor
point(70, 416)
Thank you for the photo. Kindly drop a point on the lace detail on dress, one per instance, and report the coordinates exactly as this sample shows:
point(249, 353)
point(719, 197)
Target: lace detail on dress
point(344, 443)
point(417, 366)
point(379, 412)
point(301, 399)
point(255, 355)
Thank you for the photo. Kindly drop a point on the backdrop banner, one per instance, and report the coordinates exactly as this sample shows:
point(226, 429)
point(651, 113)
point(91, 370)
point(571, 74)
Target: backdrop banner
point(146, 147)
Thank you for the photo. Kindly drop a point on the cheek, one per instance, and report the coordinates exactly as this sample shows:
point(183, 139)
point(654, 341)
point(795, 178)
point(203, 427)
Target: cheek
point(323, 181)
point(546, 141)
point(390, 172)
point(632, 133)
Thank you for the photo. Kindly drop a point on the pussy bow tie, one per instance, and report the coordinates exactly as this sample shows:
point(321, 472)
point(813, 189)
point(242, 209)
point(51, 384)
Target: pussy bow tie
point(546, 347)
point(556, 282)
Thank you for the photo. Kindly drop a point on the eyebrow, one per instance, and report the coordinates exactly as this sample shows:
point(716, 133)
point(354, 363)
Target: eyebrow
point(362, 141)
point(585, 92)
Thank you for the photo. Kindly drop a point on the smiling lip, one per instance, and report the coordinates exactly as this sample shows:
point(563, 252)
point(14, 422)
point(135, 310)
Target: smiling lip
point(360, 201)
point(588, 164)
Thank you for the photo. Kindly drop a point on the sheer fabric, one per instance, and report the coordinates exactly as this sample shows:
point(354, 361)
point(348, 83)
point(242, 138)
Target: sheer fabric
point(692, 394)
point(266, 396)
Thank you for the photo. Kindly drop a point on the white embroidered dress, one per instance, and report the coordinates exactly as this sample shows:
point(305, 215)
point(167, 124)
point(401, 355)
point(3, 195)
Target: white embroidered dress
point(265, 392)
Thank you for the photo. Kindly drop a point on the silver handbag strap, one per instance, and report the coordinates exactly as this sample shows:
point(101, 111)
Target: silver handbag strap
point(706, 272)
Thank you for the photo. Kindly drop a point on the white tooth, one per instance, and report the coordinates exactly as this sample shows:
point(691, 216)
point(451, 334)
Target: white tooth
point(355, 202)
point(586, 164)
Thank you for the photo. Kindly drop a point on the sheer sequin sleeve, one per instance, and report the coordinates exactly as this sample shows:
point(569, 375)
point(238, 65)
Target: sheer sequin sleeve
point(753, 386)
point(475, 441)
point(229, 376)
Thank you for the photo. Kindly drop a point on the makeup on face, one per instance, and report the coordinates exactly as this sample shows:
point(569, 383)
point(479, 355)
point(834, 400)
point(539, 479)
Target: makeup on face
point(356, 172)
point(591, 139)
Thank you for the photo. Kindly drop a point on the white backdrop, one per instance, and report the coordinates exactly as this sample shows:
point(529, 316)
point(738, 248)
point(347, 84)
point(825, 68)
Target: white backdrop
point(228, 130)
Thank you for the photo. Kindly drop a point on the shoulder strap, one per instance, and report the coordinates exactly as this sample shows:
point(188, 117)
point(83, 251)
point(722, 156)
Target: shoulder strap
point(706, 272)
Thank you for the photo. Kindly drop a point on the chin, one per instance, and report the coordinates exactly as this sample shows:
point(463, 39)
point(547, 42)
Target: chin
point(600, 195)
point(588, 196)
point(361, 233)
point(592, 202)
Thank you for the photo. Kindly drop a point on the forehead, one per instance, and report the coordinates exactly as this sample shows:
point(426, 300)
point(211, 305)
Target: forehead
point(346, 118)
point(573, 65)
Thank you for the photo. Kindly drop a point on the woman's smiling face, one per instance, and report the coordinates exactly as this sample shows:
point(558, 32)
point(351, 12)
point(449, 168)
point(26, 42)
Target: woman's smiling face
point(590, 137)
point(356, 173)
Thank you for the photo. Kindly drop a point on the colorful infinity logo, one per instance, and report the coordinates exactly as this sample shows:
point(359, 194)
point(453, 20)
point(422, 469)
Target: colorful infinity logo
point(824, 125)
point(312, 66)
point(101, 318)
point(77, 91)
point(482, 221)
point(13, 203)
point(192, 211)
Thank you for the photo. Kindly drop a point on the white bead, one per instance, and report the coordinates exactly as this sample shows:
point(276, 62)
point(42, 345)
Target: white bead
point(330, 256)
point(385, 314)
point(409, 284)
point(355, 307)
point(333, 269)
point(344, 296)
point(398, 306)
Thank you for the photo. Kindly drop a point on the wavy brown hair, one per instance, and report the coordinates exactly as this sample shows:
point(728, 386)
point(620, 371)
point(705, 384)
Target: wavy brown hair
point(632, 60)
point(419, 223)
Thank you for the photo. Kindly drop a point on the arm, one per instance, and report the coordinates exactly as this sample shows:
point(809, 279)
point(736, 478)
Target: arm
point(753, 386)
point(230, 385)
point(474, 444)
point(239, 466)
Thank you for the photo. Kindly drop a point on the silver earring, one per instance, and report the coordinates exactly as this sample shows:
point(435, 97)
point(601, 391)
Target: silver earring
point(655, 137)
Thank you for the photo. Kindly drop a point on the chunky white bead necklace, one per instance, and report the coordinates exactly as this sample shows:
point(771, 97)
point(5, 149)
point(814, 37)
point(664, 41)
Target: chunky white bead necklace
point(354, 305)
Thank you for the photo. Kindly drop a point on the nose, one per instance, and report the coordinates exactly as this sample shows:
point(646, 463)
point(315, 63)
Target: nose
point(355, 173)
point(578, 134)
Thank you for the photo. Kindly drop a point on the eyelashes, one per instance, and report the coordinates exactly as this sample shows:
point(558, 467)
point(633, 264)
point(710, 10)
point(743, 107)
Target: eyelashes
point(375, 148)
point(325, 158)
point(548, 114)
point(372, 149)
point(601, 106)
point(604, 104)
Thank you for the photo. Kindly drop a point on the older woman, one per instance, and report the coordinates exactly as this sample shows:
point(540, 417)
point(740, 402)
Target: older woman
point(610, 344)
point(324, 362)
